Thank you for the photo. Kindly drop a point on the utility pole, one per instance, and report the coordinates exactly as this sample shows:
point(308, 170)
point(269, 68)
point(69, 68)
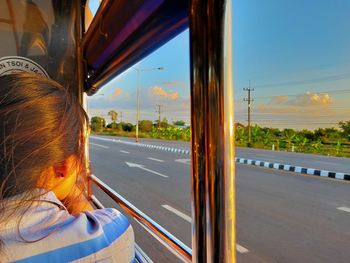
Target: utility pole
point(159, 111)
point(249, 100)
point(138, 70)
point(121, 116)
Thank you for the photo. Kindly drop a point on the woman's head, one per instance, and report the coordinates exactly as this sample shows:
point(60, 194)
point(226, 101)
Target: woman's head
point(41, 135)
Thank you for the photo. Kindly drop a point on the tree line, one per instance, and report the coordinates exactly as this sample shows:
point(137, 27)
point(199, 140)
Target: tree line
point(330, 141)
point(147, 128)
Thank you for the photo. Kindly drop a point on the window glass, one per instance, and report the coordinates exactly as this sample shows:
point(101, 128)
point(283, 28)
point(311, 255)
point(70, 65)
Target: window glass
point(90, 11)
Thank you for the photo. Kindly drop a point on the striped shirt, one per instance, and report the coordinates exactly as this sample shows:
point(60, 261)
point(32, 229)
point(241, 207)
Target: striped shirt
point(48, 233)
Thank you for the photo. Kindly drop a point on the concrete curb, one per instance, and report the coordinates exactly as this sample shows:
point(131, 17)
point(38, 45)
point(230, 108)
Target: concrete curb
point(151, 146)
point(276, 166)
point(296, 169)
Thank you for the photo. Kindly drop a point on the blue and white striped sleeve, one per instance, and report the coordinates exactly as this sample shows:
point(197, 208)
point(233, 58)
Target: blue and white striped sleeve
point(103, 235)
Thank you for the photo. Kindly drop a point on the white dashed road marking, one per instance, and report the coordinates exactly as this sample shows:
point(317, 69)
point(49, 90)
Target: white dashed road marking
point(241, 249)
point(124, 151)
point(343, 208)
point(155, 159)
point(187, 161)
point(178, 213)
point(95, 144)
point(142, 167)
point(187, 218)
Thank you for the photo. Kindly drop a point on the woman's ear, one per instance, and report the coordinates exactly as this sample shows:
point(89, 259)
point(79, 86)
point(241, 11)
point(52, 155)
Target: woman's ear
point(60, 178)
point(61, 170)
point(65, 176)
point(66, 168)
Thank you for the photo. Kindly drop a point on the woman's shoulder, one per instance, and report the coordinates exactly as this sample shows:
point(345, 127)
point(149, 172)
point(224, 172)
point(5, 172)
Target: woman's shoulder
point(107, 221)
point(101, 233)
point(107, 234)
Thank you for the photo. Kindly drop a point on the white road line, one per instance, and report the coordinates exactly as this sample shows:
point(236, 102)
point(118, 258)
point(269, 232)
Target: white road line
point(155, 159)
point(140, 166)
point(186, 161)
point(124, 151)
point(343, 208)
point(239, 248)
point(95, 144)
point(178, 213)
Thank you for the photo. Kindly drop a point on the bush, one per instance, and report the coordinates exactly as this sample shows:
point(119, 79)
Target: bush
point(145, 125)
point(115, 126)
point(97, 123)
point(128, 127)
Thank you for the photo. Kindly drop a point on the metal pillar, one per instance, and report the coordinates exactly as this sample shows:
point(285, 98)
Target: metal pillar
point(213, 194)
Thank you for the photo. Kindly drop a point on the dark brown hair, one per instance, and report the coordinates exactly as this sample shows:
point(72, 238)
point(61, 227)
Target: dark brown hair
point(41, 125)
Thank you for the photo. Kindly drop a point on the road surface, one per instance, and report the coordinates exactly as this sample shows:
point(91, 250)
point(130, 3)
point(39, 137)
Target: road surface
point(281, 216)
point(321, 162)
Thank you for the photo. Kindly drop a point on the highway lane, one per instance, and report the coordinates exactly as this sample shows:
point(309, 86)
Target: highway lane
point(329, 163)
point(281, 217)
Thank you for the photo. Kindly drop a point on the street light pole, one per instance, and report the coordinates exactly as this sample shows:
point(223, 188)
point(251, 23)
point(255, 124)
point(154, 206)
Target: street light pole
point(138, 98)
point(138, 105)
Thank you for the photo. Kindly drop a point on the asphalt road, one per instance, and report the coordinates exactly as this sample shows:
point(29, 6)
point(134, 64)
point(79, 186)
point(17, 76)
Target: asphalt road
point(281, 216)
point(321, 162)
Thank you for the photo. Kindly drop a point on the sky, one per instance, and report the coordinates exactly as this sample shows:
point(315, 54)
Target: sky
point(294, 53)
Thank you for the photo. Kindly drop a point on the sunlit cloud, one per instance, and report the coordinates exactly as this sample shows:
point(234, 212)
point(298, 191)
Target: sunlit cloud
point(311, 99)
point(278, 99)
point(173, 96)
point(266, 108)
point(117, 92)
point(159, 91)
point(306, 99)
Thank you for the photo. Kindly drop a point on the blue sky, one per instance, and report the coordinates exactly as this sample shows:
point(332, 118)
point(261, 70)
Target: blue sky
point(296, 55)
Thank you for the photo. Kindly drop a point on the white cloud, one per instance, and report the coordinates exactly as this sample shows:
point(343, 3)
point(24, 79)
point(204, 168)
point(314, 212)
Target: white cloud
point(159, 91)
point(311, 99)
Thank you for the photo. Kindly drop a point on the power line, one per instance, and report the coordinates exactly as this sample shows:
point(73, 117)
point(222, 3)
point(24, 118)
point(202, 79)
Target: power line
point(299, 94)
point(306, 81)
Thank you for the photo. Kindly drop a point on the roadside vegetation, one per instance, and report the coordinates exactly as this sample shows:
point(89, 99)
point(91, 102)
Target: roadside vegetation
point(147, 129)
point(325, 141)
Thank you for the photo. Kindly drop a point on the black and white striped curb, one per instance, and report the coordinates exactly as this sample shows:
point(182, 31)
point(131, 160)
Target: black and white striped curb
point(277, 166)
point(151, 146)
point(296, 169)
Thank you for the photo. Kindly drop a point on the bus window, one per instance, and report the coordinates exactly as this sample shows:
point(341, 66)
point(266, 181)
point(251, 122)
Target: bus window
point(148, 163)
point(91, 8)
point(291, 128)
